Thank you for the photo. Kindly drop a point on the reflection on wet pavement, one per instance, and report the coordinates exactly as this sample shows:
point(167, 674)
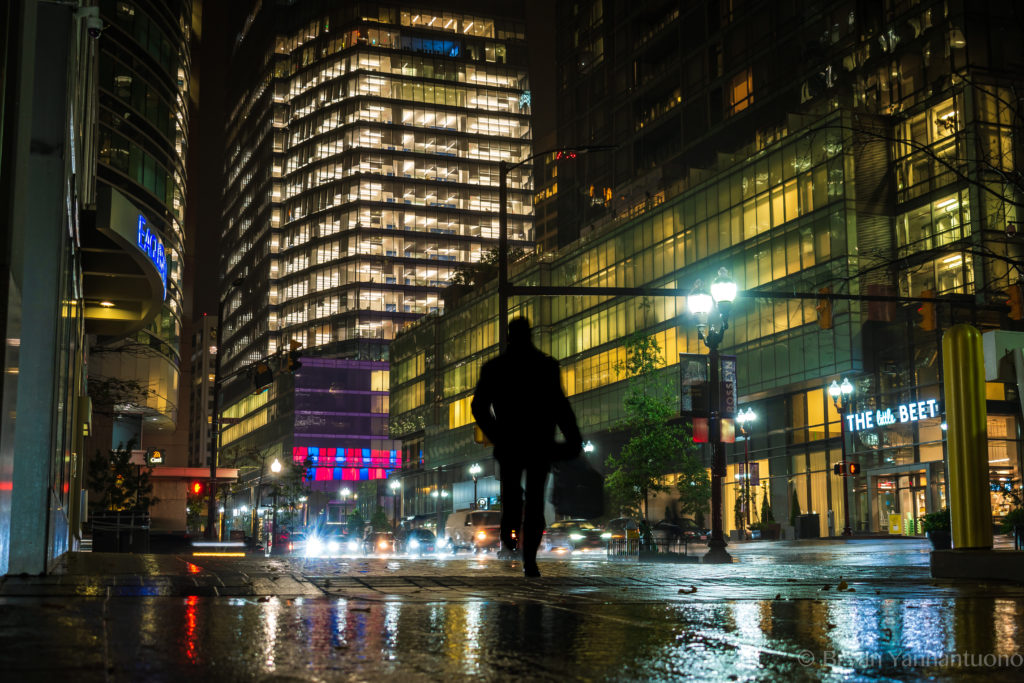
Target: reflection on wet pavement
point(322, 639)
point(846, 612)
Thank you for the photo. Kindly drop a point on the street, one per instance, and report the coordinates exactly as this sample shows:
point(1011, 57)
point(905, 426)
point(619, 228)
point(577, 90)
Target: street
point(828, 610)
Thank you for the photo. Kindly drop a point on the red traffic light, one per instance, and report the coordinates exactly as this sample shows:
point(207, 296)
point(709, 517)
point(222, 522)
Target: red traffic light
point(565, 154)
point(196, 488)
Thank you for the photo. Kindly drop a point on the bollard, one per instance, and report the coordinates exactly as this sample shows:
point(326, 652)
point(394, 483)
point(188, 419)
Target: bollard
point(963, 368)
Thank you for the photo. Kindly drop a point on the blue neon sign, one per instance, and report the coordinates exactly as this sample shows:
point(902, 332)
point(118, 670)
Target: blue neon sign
point(151, 244)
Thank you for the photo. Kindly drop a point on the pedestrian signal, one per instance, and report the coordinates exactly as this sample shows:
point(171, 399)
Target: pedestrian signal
point(196, 488)
point(927, 320)
point(846, 469)
point(1016, 302)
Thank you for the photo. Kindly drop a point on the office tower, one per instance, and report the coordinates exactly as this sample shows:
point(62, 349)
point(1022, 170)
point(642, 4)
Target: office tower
point(362, 157)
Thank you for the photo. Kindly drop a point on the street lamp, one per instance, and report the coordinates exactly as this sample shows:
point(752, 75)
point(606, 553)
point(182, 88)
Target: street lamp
point(503, 170)
point(395, 485)
point(842, 395)
point(743, 419)
point(701, 304)
point(474, 470)
point(211, 519)
point(275, 534)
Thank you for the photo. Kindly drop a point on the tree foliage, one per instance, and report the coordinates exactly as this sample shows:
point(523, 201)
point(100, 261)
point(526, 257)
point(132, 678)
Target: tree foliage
point(656, 447)
point(119, 484)
point(379, 520)
point(355, 523)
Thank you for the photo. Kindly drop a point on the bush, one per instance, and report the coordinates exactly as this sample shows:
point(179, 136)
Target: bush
point(794, 509)
point(936, 521)
point(1013, 518)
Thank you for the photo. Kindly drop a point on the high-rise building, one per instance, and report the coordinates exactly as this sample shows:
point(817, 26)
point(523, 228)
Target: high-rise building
point(203, 361)
point(859, 149)
point(363, 149)
point(133, 257)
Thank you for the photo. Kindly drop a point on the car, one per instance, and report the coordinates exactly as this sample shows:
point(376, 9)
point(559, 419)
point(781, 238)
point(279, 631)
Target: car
point(574, 534)
point(693, 531)
point(331, 541)
point(473, 529)
point(379, 542)
point(417, 542)
point(622, 528)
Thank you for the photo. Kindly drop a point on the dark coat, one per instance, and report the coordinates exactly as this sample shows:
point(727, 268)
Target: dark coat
point(518, 403)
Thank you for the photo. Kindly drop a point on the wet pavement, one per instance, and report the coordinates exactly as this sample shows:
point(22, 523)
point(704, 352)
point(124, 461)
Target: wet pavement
point(828, 610)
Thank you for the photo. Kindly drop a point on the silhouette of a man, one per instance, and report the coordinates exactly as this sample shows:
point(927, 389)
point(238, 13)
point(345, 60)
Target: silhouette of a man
point(518, 403)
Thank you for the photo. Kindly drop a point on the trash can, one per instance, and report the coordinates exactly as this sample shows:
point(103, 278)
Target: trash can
point(808, 526)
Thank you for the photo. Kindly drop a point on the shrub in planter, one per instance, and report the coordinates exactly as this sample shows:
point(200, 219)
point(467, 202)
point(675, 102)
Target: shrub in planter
point(1014, 518)
point(937, 527)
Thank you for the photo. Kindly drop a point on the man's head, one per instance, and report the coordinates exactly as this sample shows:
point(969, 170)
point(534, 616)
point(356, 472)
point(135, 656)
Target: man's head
point(519, 333)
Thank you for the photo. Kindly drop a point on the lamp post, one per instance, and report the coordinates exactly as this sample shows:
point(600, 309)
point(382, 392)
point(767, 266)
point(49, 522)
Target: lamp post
point(474, 470)
point(345, 493)
point(211, 519)
point(275, 467)
point(842, 394)
point(395, 485)
point(743, 419)
point(700, 304)
point(503, 170)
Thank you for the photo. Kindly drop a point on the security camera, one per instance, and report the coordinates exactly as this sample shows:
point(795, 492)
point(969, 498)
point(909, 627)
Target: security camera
point(93, 26)
point(90, 17)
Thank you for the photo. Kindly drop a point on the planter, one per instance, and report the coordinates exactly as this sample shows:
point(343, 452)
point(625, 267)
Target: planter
point(771, 532)
point(941, 539)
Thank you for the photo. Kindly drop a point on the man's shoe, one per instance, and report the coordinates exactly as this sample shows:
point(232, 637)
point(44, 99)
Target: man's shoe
point(531, 571)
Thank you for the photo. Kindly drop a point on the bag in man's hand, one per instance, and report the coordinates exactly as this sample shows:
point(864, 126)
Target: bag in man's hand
point(578, 489)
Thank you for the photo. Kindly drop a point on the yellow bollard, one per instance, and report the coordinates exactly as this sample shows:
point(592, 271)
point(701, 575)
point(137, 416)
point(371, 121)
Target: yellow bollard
point(963, 368)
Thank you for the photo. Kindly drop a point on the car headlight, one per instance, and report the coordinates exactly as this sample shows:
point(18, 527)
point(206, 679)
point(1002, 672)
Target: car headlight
point(382, 545)
point(606, 535)
point(353, 545)
point(333, 546)
point(576, 537)
point(413, 544)
point(314, 547)
point(481, 535)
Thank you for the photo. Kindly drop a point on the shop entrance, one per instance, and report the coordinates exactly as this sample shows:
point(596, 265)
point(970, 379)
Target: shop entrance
point(901, 500)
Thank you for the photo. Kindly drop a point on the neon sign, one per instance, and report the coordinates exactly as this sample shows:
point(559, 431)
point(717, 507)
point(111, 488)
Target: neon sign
point(905, 413)
point(151, 245)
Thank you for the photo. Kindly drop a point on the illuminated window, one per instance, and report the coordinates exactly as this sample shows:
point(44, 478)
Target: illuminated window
point(740, 91)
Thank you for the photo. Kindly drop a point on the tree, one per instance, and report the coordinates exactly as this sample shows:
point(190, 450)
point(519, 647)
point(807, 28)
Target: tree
point(656, 445)
point(379, 520)
point(355, 523)
point(767, 516)
point(119, 484)
point(794, 509)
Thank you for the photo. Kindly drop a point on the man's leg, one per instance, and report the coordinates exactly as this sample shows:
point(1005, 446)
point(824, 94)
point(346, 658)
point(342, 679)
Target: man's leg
point(533, 524)
point(511, 506)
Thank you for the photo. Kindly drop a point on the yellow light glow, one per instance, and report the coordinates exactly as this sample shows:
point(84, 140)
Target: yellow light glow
point(107, 304)
point(201, 554)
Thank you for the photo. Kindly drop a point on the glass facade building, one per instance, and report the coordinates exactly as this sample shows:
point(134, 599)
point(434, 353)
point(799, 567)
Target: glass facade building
point(362, 175)
point(837, 192)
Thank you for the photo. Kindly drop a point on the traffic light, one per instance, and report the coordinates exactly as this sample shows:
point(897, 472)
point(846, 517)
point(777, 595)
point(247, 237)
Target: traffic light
point(846, 469)
point(1015, 302)
point(294, 355)
point(565, 154)
point(262, 375)
point(853, 468)
point(196, 488)
point(927, 321)
point(824, 308)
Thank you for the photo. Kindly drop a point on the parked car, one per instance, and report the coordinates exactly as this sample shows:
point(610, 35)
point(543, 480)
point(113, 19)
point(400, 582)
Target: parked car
point(379, 542)
point(622, 528)
point(673, 531)
point(693, 531)
point(573, 534)
point(417, 542)
point(473, 529)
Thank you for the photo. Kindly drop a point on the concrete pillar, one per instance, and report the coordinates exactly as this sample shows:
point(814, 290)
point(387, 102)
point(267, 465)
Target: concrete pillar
point(963, 368)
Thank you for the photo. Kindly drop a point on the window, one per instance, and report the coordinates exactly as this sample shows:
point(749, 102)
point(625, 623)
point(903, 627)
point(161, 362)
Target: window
point(740, 92)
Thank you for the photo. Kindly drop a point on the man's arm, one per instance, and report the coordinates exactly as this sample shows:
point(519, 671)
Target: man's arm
point(483, 398)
